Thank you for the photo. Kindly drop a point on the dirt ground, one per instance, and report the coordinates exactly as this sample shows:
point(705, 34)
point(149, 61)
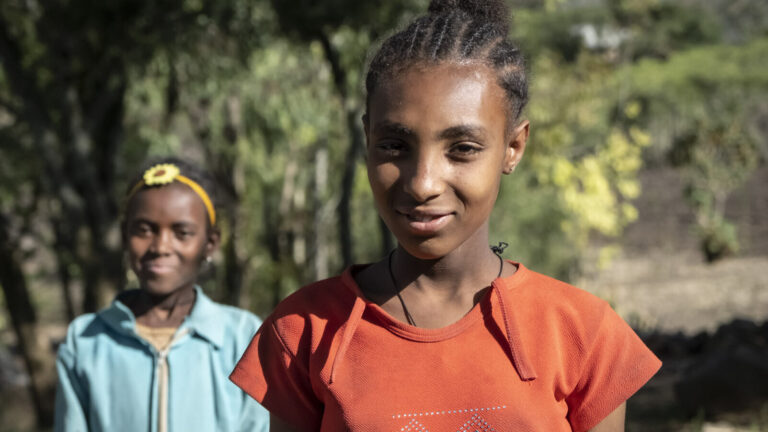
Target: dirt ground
point(662, 286)
point(678, 292)
point(678, 295)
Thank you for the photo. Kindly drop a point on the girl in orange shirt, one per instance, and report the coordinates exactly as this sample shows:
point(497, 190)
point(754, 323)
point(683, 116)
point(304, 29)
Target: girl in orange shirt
point(444, 335)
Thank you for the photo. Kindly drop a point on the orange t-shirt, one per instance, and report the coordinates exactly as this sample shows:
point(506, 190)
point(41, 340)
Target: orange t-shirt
point(535, 354)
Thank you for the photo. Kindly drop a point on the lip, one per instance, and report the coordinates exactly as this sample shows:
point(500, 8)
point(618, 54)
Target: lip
point(425, 222)
point(157, 268)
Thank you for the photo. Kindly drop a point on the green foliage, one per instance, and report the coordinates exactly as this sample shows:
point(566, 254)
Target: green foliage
point(258, 91)
point(307, 19)
point(660, 28)
point(687, 79)
point(699, 105)
point(718, 237)
point(579, 161)
point(267, 95)
point(262, 93)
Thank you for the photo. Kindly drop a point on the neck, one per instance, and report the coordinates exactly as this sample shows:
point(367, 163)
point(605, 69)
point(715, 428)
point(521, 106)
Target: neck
point(166, 311)
point(465, 270)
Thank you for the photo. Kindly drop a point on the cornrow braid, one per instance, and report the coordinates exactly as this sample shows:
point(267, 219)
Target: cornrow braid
point(460, 31)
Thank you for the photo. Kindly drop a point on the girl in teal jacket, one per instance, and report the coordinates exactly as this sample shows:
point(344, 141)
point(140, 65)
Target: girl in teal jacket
point(158, 358)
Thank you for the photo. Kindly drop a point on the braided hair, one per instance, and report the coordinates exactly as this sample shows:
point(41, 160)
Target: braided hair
point(456, 31)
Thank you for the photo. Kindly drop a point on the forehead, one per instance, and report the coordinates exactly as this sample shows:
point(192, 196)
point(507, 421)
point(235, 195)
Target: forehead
point(443, 93)
point(175, 202)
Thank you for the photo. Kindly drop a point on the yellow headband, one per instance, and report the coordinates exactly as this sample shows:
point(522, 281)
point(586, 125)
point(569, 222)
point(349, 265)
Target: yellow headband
point(164, 174)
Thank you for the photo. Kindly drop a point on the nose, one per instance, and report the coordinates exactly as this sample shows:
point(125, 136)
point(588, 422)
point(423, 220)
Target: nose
point(161, 242)
point(423, 179)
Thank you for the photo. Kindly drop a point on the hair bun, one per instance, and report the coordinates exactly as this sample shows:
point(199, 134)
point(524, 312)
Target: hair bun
point(494, 11)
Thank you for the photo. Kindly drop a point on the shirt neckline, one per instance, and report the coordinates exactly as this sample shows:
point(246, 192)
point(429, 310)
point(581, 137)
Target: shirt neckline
point(420, 334)
point(203, 319)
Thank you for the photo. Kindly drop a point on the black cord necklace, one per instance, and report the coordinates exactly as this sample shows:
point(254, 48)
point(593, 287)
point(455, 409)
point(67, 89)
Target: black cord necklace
point(497, 250)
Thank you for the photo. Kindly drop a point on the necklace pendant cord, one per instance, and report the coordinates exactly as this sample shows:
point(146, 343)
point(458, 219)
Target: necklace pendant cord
point(408, 316)
point(497, 250)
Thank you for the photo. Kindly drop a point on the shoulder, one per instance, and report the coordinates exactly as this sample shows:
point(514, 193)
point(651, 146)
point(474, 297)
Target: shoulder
point(85, 330)
point(79, 324)
point(592, 356)
point(235, 316)
point(324, 298)
point(310, 311)
point(558, 295)
point(563, 309)
point(225, 325)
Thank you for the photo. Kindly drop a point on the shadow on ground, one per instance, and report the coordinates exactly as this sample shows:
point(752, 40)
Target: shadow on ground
point(709, 377)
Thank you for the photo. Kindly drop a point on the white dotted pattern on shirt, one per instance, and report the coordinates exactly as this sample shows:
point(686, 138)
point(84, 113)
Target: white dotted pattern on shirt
point(447, 412)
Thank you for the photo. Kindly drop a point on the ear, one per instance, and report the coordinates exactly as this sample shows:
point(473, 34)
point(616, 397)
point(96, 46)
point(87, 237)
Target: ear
point(515, 148)
point(212, 242)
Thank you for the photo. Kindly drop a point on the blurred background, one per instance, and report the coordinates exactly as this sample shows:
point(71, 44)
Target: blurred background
point(644, 180)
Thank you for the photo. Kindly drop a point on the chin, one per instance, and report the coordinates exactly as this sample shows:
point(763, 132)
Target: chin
point(427, 249)
point(159, 288)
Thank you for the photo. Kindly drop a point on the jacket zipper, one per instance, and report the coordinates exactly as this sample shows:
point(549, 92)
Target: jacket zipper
point(162, 373)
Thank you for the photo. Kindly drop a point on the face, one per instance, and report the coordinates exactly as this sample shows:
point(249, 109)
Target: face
point(437, 145)
point(167, 237)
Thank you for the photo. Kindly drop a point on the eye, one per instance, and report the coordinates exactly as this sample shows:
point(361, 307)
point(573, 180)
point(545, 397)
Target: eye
point(391, 147)
point(184, 233)
point(465, 149)
point(141, 229)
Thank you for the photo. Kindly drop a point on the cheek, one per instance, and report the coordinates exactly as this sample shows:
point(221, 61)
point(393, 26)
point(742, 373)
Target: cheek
point(480, 190)
point(136, 247)
point(194, 251)
point(382, 178)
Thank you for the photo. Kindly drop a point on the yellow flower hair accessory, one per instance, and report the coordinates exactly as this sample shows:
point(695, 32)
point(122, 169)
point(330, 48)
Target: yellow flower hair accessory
point(161, 174)
point(164, 174)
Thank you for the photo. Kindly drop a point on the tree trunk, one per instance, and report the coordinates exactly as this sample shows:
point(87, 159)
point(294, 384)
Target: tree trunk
point(228, 174)
point(90, 168)
point(65, 279)
point(233, 267)
point(277, 231)
point(271, 238)
point(355, 150)
point(347, 187)
point(319, 226)
point(37, 357)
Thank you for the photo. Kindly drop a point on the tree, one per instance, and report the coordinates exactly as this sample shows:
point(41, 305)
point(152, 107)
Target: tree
point(703, 105)
point(66, 69)
point(344, 29)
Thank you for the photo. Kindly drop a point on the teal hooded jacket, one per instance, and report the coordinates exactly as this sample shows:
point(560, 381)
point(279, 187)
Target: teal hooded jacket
point(108, 375)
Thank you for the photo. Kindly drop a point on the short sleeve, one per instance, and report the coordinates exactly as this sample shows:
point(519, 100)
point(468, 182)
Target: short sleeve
point(272, 375)
point(616, 365)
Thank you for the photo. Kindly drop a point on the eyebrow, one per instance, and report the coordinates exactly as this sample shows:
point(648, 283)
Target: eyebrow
point(393, 128)
point(140, 220)
point(453, 132)
point(184, 224)
point(463, 131)
point(175, 224)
